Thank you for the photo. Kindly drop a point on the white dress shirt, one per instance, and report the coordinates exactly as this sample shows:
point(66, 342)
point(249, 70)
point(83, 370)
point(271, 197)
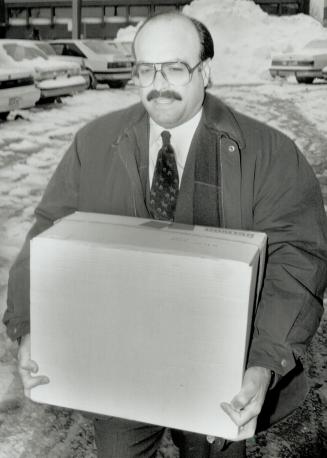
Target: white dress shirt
point(181, 137)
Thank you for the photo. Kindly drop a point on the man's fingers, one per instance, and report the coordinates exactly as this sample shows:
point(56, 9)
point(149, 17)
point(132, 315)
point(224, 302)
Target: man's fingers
point(231, 412)
point(29, 366)
point(243, 416)
point(241, 400)
point(247, 431)
point(31, 382)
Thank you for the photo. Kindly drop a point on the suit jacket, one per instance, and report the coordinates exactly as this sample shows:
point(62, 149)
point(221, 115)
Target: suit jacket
point(265, 184)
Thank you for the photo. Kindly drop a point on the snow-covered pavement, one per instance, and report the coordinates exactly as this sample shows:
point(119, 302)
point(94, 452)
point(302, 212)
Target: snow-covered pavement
point(30, 150)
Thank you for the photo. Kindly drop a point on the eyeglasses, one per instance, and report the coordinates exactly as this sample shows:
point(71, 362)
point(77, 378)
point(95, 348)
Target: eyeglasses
point(176, 73)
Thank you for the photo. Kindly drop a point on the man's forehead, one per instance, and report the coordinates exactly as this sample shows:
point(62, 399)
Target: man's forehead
point(169, 32)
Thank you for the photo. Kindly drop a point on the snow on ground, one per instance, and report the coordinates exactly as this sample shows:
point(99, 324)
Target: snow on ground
point(245, 37)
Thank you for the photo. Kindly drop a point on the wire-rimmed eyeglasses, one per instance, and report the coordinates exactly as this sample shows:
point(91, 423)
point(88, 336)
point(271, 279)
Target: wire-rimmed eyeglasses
point(177, 73)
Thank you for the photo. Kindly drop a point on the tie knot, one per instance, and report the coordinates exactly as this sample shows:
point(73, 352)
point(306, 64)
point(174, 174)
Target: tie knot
point(165, 137)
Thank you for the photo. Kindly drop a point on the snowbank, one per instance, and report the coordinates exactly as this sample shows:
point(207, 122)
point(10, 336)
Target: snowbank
point(245, 37)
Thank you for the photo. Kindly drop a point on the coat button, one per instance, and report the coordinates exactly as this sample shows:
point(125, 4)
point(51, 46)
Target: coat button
point(231, 148)
point(283, 363)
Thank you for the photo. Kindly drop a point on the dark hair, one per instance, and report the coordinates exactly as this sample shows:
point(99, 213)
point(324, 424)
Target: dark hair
point(206, 42)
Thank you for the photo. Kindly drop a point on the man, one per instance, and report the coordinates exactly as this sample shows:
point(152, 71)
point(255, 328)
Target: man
point(222, 169)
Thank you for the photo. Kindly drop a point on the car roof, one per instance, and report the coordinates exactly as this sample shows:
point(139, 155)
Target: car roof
point(18, 40)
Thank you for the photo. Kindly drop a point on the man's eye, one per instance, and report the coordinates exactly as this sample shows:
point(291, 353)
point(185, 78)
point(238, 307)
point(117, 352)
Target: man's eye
point(176, 68)
point(144, 70)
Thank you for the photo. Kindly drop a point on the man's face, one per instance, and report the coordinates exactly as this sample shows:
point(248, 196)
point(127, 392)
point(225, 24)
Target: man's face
point(171, 40)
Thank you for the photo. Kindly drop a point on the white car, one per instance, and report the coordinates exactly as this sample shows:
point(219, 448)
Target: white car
point(51, 53)
point(17, 90)
point(306, 64)
point(125, 47)
point(105, 63)
point(324, 72)
point(53, 78)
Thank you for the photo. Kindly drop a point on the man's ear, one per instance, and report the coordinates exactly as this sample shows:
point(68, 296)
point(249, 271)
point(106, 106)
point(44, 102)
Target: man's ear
point(206, 71)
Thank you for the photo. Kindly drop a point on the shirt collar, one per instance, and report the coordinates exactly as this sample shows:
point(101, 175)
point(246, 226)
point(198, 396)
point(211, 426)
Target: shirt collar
point(179, 133)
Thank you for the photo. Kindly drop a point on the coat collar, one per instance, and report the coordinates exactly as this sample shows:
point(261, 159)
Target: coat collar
point(221, 118)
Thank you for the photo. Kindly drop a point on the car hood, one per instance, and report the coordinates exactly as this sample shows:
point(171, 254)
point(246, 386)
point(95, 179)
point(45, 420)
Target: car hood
point(42, 65)
point(115, 57)
point(55, 65)
point(11, 72)
point(64, 64)
point(304, 53)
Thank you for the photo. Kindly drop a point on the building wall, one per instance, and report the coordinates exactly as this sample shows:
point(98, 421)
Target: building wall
point(105, 29)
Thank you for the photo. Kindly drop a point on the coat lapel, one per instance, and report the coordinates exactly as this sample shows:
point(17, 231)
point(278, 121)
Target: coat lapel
point(132, 151)
point(220, 119)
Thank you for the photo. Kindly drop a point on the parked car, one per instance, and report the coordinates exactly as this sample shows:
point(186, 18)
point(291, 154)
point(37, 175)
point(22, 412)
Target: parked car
point(17, 89)
point(125, 47)
point(52, 55)
point(306, 64)
point(324, 73)
point(105, 63)
point(53, 78)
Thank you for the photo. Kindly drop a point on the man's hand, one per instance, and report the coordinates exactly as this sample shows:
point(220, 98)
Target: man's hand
point(247, 404)
point(26, 367)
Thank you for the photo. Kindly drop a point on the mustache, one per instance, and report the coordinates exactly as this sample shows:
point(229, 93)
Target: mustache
point(154, 94)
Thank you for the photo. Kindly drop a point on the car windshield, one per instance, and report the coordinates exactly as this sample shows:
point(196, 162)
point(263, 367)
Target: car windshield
point(101, 47)
point(127, 46)
point(46, 48)
point(317, 44)
point(20, 52)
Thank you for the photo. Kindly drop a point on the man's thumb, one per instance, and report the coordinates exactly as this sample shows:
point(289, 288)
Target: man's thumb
point(239, 401)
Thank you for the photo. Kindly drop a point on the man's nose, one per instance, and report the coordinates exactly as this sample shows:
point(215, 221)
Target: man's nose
point(159, 81)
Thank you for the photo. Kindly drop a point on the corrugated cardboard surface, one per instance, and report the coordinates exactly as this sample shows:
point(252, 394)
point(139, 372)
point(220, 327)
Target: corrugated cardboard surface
point(143, 323)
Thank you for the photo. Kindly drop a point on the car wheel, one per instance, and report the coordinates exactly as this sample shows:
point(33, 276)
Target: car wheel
point(304, 79)
point(92, 80)
point(117, 84)
point(4, 115)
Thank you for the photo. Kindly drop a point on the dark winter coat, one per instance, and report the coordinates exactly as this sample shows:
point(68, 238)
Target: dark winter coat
point(265, 184)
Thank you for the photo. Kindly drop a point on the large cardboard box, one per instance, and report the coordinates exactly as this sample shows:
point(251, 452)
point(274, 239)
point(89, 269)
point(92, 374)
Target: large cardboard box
point(142, 319)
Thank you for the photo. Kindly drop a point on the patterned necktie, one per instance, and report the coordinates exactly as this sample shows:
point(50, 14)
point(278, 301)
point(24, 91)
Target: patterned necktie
point(165, 183)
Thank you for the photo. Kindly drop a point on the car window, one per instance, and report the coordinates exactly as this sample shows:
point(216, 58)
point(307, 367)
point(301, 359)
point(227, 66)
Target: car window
point(317, 44)
point(21, 52)
point(70, 49)
point(113, 48)
point(127, 46)
point(46, 48)
point(58, 47)
point(101, 47)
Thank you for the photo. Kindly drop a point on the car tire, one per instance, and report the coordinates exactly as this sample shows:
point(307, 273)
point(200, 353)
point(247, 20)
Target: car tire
point(304, 79)
point(4, 115)
point(92, 80)
point(117, 84)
